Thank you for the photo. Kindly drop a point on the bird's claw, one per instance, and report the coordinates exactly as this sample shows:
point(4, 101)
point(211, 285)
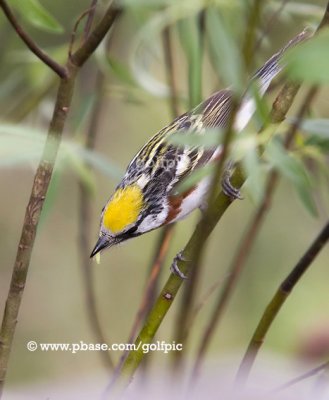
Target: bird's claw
point(174, 267)
point(227, 187)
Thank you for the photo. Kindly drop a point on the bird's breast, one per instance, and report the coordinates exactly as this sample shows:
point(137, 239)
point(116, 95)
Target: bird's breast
point(183, 204)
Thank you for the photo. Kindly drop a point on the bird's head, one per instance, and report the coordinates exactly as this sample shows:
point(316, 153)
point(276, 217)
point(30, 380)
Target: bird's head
point(121, 217)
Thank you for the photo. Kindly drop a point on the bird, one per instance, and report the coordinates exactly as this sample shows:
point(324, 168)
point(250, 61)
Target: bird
point(147, 197)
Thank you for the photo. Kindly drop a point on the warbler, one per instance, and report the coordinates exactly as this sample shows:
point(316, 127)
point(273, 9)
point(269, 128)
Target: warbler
point(146, 198)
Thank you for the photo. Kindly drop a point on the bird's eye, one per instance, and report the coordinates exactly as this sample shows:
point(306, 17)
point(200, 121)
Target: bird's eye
point(131, 230)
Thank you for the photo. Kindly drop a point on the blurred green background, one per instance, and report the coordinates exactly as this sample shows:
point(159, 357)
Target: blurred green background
point(53, 308)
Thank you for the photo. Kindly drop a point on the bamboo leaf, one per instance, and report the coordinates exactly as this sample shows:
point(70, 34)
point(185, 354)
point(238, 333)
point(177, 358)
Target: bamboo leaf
point(317, 131)
point(190, 38)
point(35, 14)
point(195, 177)
point(318, 127)
point(84, 173)
point(209, 139)
point(225, 53)
point(51, 194)
point(20, 144)
point(293, 169)
point(120, 71)
point(307, 199)
point(255, 172)
point(309, 61)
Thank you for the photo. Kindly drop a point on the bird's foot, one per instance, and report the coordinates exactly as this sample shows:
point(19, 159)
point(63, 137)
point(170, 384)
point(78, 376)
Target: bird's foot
point(227, 187)
point(174, 267)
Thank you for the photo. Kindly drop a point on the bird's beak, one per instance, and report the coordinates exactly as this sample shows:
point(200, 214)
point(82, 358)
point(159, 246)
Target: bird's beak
point(101, 244)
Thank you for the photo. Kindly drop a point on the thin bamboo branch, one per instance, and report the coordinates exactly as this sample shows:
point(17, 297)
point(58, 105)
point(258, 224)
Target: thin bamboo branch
point(30, 43)
point(85, 213)
point(277, 302)
point(31, 220)
point(167, 232)
point(185, 315)
point(149, 292)
point(90, 19)
point(39, 190)
point(96, 36)
point(320, 386)
point(250, 36)
point(171, 77)
point(170, 290)
point(298, 379)
point(270, 22)
point(88, 12)
point(234, 272)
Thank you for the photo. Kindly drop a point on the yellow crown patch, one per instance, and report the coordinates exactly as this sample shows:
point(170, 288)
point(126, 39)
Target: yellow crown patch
point(123, 208)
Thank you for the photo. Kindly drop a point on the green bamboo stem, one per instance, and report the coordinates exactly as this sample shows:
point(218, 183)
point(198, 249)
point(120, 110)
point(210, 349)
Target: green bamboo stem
point(277, 302)
point(31, 220)
point(170, 290)
point(185, 314)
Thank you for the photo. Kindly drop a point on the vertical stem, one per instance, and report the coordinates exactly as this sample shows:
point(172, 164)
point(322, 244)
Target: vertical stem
point(277, 302)
point(185, 312)
point(86, 227)
point(250, 36)
point(166, 235)
point(31, 219)
point(234, 272)
point(171, 78)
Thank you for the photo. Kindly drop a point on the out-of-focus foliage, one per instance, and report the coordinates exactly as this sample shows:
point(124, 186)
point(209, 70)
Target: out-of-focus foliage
point(310, 61)
point(206, 42)
point(34, 13)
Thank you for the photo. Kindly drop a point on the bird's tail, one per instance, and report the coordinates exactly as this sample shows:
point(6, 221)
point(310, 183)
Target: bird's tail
point(273, 67)
point(263, 77)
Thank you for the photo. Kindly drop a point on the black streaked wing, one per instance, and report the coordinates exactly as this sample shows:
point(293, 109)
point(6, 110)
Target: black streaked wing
point(213, 112)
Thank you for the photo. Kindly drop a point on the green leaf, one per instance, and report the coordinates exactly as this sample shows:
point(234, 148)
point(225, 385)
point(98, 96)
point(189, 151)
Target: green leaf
point(147, 3)
point(255, 184)
point(84, 173)
point(110, 65)
point(279, 158)
point(143, 56)
point(209, 139)
point(317, 131)
point(307, 199)
point(304, 10)
point(319, 127)
point(226, 55)
point(98, 161)
point(51, 194)
point(309, 61)
point(121, 71)
point(293, 169)
point(35, 14)
point(191, 41)
point(20, 144)
point(195, 177)
point(262, 109)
